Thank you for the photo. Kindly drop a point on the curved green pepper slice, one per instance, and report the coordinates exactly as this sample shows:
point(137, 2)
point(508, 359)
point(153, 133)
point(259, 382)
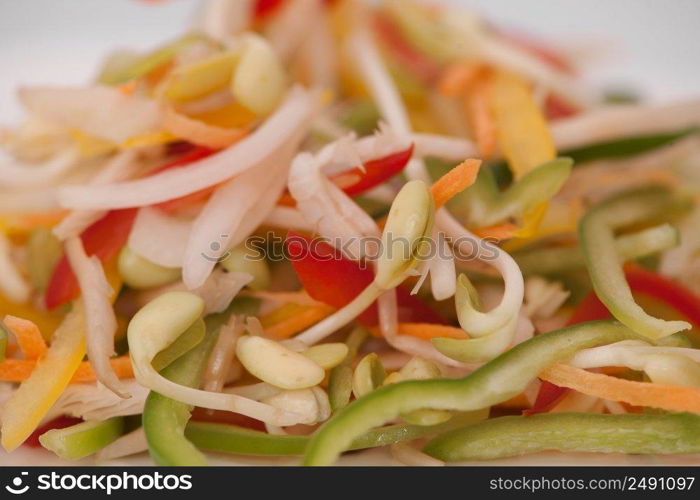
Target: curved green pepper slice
point(513, 436)
point(495, 382)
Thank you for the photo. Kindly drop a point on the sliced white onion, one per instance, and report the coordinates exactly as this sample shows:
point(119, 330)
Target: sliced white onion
point(13, 175)
point(159, 238)
point(96, 402)
point(220, 288)
point(408, 455)
point(290, 119)
point(318, 54)
point(221, 19)
point(100, 320)
point(325, 206)
point(28, 202)
point(12, 284)
point(100, 111)
point(233, 212)
point(543, 298)
point(290, 27)
point(288, 218)
point(443, 280)
point(129, 444)
point(616, 122)
point(222, 355)
point(121, 167)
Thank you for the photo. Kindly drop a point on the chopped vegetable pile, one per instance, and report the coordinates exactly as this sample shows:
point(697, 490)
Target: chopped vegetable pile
point(313, 226)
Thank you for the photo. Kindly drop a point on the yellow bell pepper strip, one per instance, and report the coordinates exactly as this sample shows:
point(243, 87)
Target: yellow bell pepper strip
point(663, 396)
point(227, 438)
point(23, 412)
point(596, 231)
point(196, 80)
point(83, 439)
point(495, 382)
point(340, 379)
point(483, 204)
point(577, 432)
point(556, 260)
point(523, 135)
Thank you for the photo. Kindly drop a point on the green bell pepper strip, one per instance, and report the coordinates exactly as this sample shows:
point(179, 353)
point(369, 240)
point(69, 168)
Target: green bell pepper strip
point(340, 379)
point(596, 232)
point(44, 251)
point(498, 380)
point(188, 340)
point(164, 419)
point(513, 436)
point(116, 74)
point(629, 146)
point(552, 261)
point(4, 335)
point(483, 204)
point(620, 148)
point(361, 116)
point(83, 439)
point(241, 441)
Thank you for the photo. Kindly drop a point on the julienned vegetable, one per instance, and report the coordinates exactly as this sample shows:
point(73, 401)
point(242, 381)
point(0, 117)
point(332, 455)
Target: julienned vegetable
point(552, 261)
point(603, 263)
point(239, 440)
point(513, 436)
point(497, 381)
point(141, 270)
point(164, 419)
point(82, 440)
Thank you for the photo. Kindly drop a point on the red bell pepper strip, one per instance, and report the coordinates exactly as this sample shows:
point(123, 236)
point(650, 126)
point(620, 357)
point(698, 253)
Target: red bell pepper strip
point(556, 108)
point(330, 278)
point(375, 172)
point(264, 8)
point(105, 238)
point(360, 180)
point(591, 308)
point(409, 57)
point(57, 423)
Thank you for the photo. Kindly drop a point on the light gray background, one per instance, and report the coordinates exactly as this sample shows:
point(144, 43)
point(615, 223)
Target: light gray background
point(651, 44)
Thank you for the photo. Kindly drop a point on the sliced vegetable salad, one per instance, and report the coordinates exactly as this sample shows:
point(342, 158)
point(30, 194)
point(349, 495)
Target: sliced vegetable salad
point(313, 226)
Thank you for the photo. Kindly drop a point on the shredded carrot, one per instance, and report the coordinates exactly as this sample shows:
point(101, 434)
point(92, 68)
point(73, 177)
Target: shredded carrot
point(286, 200)
point(458, 77)
point(480, 117)
point(128, 88)
point(28, 336)
point(665, 397)
point(501, 231)
point(18, 370)
point(427, 331)
point(455, 181)
point(291, 319)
